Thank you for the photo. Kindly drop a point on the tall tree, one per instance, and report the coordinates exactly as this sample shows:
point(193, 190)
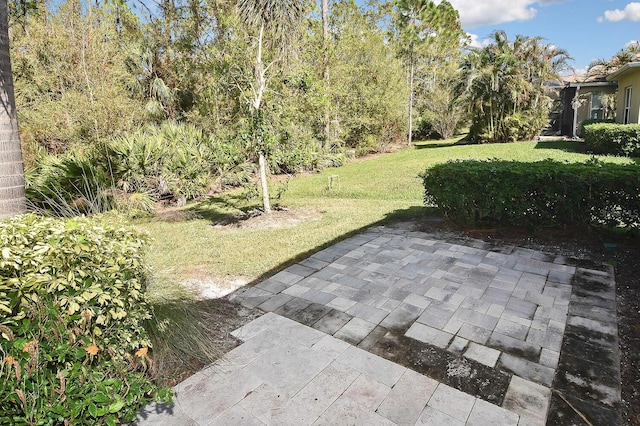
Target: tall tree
point(12, 198)
point(325, 70)
point(274, 21)
point(428, 34)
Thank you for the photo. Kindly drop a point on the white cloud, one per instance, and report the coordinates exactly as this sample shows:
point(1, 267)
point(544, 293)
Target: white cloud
point(631, 12)
point(474, 13)
point(474, 41)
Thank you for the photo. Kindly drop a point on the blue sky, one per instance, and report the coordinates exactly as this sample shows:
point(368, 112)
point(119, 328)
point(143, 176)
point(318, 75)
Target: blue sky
point(587, 29)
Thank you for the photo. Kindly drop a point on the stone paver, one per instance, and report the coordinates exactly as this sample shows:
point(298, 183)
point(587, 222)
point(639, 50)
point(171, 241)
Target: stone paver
point(472, 305)
point(286, 373)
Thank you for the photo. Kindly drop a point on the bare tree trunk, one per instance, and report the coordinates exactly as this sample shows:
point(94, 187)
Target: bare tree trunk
point(261, 84)
point(325, 71)
point(12, 198)
point(411, 72)
point(262, 163)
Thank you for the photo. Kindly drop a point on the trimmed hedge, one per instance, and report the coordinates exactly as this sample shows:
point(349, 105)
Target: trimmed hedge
point(590, 121)
point(532, 195)
point(73, 349)
point(614, 139)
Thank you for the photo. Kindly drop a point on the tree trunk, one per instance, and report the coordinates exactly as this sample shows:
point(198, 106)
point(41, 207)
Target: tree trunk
point(12, 197)
point(411, 72)
point(325, 71)
point(263, 181)
point(261, 84)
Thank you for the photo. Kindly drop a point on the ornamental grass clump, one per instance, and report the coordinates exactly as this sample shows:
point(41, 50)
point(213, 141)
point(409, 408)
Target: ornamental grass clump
point(73, 349)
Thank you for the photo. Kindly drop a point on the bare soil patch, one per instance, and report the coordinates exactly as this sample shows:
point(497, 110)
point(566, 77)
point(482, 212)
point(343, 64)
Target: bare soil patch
point(277, 218)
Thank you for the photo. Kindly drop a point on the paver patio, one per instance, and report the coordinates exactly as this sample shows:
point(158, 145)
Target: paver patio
point(472, 333)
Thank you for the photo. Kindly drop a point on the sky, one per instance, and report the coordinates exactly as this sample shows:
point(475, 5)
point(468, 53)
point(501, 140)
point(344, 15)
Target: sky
point(587, 29)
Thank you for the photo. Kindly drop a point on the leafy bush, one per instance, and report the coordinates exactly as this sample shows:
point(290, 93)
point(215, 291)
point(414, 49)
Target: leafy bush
point(590, 121)
point(531, 195)
point(616, 139)
point(73, 349)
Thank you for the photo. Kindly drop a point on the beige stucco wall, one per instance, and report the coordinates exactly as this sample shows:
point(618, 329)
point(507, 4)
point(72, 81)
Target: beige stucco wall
point(629, 79)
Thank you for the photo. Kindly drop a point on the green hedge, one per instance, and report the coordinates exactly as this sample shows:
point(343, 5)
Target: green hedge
point(72, 344)
point(531, 195)
point(615, 139)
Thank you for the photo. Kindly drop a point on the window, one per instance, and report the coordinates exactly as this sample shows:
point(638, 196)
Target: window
point(596, 110)
point(627, 105)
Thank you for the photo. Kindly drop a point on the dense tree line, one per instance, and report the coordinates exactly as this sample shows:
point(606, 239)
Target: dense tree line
point(290, 85)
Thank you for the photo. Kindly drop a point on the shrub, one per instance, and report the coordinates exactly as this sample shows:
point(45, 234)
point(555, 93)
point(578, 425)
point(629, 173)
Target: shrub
point(531, 195)
point(590, 121)
point(73, 349)
point(615, 139)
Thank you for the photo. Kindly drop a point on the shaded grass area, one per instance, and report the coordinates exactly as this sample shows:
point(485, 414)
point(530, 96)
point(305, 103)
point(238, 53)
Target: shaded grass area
point(346, 199)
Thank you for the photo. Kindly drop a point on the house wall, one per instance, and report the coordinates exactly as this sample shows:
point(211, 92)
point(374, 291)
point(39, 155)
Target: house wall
point(629, 79)
point(584, 112)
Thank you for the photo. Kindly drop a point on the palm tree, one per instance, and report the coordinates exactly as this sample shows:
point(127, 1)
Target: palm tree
point(12, 198)
point(505, 86)
point(275, 20)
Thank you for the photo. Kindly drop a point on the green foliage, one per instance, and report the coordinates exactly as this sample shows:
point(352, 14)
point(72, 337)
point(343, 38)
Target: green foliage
point(368, 88)
point(72, 344)
point(175, 162)
point(532, 195)
point(68, 185)
point(503, 87)
point(614, 139)
point(590, 121)
point(72, 86)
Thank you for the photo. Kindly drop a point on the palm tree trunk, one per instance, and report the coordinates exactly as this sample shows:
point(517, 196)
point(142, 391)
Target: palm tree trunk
point(12, 198)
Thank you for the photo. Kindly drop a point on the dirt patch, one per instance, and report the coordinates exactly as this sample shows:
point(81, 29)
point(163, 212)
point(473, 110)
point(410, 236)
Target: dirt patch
point(278, 218)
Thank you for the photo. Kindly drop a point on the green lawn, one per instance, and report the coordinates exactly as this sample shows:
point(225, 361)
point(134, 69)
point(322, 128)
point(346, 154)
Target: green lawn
point(363, 192)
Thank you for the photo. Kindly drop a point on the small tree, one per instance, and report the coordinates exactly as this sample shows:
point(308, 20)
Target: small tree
point(274, 21)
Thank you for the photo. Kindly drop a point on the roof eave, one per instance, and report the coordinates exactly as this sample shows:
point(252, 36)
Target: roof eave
point(622, 70)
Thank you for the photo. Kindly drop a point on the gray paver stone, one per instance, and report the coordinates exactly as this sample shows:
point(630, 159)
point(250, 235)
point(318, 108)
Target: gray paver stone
point(332, 322)
point(458, 345)
point(367, 392)
point(527, 369)
point(372, 365)
point(347, 411)
point(408, 398)
point(275, 302)
point(527, 399)
point(482, 354)
point(452, 402)
point(484, 413)
point(367, 313)
point(474, 333)
point(432, 417)
point(355, 330)
point(514, 346)
point(429, 335)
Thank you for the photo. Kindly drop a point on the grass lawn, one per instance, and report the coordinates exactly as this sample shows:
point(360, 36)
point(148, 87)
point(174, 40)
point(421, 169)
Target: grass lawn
point(363, 192)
